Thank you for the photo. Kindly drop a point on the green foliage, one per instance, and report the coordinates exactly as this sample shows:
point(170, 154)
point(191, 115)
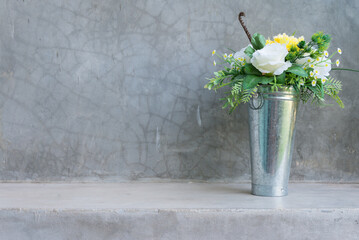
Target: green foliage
point(301, 44)
point(251, 70)
point(332, 87)
point(249, 51)
point(250, 81)
point(315, 48)
point(258, 41)
point(280, 79)
point(322, 41)
point(297, 70)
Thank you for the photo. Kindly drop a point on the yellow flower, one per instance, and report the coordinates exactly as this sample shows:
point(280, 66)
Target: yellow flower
point(289, 41)
point(339, 51)
point(213, 52)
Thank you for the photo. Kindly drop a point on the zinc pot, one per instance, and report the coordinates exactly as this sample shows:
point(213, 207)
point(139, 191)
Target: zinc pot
point(272, 116)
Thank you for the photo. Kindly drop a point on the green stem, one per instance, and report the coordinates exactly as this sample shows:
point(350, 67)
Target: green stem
point(222, 85)
point(346, 69)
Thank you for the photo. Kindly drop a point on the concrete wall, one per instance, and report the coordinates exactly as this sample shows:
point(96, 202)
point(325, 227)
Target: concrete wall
point(111, 89)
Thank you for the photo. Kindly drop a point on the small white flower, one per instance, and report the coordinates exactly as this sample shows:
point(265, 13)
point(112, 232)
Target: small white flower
point(214, 63)
point(213, 52)
point(324, 79)
point(230, 55)
point(314, 83)
point(311, 73)
point(326, 54)
point(312, 65)
point(315, 77)
point(316, 71)
point(225, 56)
point(339, 51)
point(337, 63)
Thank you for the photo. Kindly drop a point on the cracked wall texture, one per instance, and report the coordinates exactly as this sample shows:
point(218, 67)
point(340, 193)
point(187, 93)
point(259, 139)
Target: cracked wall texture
point(113, 90)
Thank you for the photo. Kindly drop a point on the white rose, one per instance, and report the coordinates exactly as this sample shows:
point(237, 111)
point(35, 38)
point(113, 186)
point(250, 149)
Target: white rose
point(306, 61)
point(323, 66)
point(271, 59)
point(241, 55)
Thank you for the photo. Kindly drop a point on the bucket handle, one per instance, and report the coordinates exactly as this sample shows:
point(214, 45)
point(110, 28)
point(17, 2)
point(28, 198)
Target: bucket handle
point(256, 95)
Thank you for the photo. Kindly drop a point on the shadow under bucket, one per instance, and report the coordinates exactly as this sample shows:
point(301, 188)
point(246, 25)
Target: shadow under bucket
point(272, 116)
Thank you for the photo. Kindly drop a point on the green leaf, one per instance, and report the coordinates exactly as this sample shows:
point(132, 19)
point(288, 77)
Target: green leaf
point(338, 100)
point(258, 41)
point(217, 81)
point(251, 70)
point(239, 77)
point(297, 70)
point(250, 81)
point(249, 51)
point(281, 78)
point(266, 80)
point(321, 90)
point(225, 105)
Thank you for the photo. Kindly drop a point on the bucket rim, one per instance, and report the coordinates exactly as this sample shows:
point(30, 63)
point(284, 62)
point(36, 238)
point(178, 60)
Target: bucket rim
point(267, 89)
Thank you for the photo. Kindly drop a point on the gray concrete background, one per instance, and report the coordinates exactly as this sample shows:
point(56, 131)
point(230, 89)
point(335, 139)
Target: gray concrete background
point(113, 90)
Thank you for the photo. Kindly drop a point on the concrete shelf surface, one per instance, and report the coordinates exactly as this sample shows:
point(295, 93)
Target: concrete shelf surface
point(176, 210)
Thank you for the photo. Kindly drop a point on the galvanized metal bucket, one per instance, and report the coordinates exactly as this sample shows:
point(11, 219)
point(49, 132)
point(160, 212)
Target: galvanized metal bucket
point(272, 116)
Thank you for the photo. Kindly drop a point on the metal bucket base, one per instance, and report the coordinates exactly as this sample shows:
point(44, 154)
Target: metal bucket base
point(269, 191)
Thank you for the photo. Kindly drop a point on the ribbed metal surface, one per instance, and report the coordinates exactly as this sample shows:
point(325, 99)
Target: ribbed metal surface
point(272, 130)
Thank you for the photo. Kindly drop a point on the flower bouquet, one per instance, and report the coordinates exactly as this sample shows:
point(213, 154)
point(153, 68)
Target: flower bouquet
point(273, 75)
point(285, 61)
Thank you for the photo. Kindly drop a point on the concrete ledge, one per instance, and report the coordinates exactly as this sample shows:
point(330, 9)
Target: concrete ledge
point(176, 211)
